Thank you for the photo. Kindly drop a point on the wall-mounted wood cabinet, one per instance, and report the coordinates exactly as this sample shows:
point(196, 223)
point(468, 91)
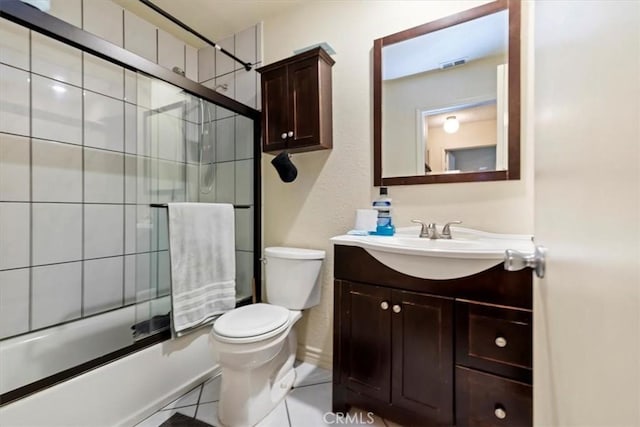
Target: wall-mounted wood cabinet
point(296, 103)
point(432, 352)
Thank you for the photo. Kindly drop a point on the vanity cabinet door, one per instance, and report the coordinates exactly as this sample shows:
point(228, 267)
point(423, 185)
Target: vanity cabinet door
point(275, 114)
point(422, 343)
point(366, 339)
point(304, 104)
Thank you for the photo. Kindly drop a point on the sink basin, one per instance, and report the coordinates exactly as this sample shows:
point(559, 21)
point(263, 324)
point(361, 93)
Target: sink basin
point(468, 252)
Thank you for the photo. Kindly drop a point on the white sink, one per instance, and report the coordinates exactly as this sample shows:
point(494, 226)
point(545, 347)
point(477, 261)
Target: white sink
point(468, 252)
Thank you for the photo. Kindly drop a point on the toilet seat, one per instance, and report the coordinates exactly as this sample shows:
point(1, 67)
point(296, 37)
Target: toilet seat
point(251, 323)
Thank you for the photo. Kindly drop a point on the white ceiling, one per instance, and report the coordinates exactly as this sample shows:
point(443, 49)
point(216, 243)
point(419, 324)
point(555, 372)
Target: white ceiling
point(215, 19)
point(465, 115)
point(479, 38)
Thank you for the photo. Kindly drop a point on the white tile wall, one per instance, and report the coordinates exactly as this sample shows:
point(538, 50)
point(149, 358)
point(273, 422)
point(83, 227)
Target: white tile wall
point(225, 182)
point(130, 225)
point(57, 291)
point(245, 45)
point(169, 144)
point(14, 100)
point(164, 273)
point(225, 136)
point(130, 128)
point(14, 168)
point(244, 138)
point(57, 233)
point(224, 64)
point(192, 182)
point(57, 110)
point(245, 86)
point(14, 44)
point(244, 229)
point(56, 171)
point(15, 232)
point(244, 182)
point(103, 77)
point(130, 86)
point(244, 273)
point(191, 62)
point(103, 18)
point(130, 178)
point(103, 176)
point(55, 59)
point(103, 122)
point(72, 109)
point(143, 228)
point(104, 230)
point(206, 63)
point(171, 185)
point(14, 302)
point(171, 51)
point(103, 284)
point(67, 10)
point(129, 279)
point(140, 36)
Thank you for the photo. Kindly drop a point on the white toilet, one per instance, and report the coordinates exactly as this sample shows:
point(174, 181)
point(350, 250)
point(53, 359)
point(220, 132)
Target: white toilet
point(256, 344)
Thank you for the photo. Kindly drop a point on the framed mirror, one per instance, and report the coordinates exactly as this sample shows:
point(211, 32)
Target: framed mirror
point(446, 99)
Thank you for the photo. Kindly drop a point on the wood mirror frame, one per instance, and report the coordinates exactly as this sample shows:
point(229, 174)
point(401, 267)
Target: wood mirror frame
point(513, 144)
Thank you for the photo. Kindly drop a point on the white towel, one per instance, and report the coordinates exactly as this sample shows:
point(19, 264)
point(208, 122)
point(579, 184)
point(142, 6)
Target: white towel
point(203, 262)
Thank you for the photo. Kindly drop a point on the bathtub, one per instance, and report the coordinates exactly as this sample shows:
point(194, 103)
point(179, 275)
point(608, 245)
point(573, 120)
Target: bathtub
point(122, 392)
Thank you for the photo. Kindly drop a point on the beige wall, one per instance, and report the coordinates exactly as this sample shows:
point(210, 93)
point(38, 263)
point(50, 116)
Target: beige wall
point(332, 184)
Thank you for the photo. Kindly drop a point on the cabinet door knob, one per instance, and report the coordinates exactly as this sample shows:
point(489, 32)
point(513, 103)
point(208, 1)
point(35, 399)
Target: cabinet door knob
point(384, 305)
point(500, 413)
point(501, 342)
point(290, 134)
point(397, 308)
point(284, 135)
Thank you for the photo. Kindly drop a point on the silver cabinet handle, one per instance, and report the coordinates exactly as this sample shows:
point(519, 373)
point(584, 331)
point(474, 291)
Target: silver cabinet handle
point(500, 413)
point(501, 342)
point(384, 305)
point(514, 260)
point(284, 135)
point(397, 308)
point(290, 134)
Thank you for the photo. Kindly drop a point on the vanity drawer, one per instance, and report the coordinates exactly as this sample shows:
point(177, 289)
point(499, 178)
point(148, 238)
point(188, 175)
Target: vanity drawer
point(485, 400)
point(493, 338)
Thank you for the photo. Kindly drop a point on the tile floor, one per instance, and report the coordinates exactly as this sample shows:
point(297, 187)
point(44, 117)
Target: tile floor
point(305, 405)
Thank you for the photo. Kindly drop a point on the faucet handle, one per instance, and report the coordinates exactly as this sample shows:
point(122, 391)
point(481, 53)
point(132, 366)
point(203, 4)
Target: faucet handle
point(446, 230)
point(423, 230)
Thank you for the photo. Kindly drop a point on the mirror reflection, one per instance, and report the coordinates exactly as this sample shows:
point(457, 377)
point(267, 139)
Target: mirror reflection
point(445, 100)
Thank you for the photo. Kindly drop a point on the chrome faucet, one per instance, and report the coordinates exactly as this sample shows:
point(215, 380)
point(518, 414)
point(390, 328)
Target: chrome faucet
point(446, 230)
point(430, 231)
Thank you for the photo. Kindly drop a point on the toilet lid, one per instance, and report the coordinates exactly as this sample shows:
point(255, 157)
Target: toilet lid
point(251, 320)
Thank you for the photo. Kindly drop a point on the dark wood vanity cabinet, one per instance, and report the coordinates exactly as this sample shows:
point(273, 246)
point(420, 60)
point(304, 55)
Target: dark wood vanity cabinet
point(432, 352)
point(394, 341)
point(296, 103)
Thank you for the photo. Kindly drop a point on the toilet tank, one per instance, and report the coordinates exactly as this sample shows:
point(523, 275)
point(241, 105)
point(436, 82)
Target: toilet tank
point(292, 277)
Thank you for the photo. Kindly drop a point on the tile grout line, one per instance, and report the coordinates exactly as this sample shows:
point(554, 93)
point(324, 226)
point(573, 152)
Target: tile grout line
point(124, 190)
point(311, 385)
point(195, 414)
point(30, 204)
point(286, 407)
point(82, 221)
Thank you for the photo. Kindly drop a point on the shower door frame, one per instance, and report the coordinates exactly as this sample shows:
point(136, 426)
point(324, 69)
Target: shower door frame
point(36, 20)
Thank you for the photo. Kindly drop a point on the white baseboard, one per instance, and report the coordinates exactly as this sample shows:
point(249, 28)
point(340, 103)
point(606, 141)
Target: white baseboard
point(315, 356)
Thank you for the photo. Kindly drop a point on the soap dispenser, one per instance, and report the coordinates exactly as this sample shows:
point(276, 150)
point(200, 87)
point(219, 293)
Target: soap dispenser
point(382, 204)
